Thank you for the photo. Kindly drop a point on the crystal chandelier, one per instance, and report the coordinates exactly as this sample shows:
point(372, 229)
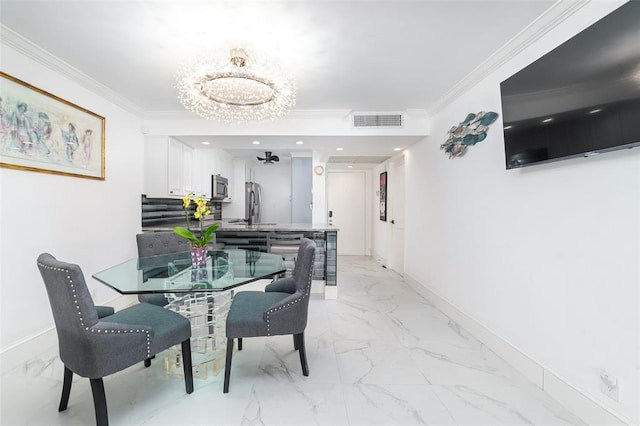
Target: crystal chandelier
point(237, 87)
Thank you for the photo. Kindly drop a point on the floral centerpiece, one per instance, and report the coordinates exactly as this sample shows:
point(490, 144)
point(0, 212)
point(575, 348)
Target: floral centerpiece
point(198, 243)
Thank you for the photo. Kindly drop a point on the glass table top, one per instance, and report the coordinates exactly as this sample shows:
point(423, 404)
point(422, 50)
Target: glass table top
point(173, 273)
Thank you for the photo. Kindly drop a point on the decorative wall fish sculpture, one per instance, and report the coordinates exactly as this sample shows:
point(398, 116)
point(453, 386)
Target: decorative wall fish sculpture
point(472, 130)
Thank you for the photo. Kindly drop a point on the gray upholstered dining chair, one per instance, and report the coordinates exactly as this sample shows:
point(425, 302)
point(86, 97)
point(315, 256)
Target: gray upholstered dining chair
point(154, 243)
point(280, 310)
point(104, 311)
point(96, 347)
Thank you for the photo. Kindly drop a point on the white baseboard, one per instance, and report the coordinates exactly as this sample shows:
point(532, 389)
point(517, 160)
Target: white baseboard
point(317, 286)
point(331, 292)
point(584, 406)
point(33, 346)
point(377, 257)
point(589, 410)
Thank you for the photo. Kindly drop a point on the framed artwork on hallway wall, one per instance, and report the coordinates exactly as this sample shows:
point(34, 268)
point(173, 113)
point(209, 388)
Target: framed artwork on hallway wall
point(44, 133)
point(383, 196)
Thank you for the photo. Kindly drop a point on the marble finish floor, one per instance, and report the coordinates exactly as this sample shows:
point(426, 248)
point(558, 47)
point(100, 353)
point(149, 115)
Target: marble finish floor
point(379, 355)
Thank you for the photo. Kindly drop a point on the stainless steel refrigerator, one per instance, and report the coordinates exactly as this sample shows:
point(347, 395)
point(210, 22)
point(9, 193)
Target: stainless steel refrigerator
point(252, 200)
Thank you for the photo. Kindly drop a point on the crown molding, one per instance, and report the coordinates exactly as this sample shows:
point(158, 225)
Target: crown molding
point(293, 114)
point(551, 18)
point(41, 56)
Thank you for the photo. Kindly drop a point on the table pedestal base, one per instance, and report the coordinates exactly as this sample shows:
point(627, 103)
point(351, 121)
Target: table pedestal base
point(207, 313)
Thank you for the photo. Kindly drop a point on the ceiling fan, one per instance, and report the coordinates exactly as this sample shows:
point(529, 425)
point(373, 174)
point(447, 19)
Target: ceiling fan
point(268, 158)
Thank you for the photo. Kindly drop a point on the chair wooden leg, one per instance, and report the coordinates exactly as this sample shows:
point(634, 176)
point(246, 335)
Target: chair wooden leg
point(303, 355)
point(239, 343)
point(187, 365)
point(147, 362)
point(296, 346)
point(99, 402)
point(66, 389)
point(227, 366)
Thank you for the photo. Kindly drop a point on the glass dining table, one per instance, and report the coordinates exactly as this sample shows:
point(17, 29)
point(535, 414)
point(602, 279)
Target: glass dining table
point(202, 294)
point(173, 273)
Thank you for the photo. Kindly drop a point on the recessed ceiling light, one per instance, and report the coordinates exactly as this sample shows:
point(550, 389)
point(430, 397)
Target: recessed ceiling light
point(299, 143)
point(547, 120)
point(206, 143)
point(339, 149)
point(594, 111)
point(349, 166)
point(507, 127)
point(397, 149)
point(256, 142)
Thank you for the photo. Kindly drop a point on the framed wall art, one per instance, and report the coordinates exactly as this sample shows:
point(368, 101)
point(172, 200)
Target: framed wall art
point(383, 196)
point(44, 133)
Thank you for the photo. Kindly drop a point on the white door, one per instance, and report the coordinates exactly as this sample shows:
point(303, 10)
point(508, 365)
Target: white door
point(346, 206)
point(395, 204)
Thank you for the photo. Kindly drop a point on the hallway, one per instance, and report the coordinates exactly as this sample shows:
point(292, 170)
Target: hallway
point(379, 355)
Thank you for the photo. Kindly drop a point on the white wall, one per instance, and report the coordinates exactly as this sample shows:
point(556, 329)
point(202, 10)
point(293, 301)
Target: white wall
point(89, 222)
point(275, 181)
point(319, 213)
point(546, 257)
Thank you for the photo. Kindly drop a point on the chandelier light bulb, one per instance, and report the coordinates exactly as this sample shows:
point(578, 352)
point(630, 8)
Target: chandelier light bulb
point(235, 87)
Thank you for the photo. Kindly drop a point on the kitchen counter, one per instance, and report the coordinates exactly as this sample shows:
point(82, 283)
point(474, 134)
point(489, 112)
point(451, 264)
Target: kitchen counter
point(289, 227)
point(231, 225)
point(255, 237)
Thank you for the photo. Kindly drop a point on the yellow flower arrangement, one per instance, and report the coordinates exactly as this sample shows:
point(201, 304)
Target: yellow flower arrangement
point(202, 210)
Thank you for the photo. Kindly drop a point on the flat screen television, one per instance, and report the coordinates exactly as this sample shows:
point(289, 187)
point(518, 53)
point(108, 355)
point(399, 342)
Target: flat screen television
point(580, 99)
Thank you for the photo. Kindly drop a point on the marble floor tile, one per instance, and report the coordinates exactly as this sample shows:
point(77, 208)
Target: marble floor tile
point(295, 404)
point(350, 320)
point(461, 362)
point(395, 404)
point(378, 355)
point(376, 362)
point(282, 363)
point(503, 405)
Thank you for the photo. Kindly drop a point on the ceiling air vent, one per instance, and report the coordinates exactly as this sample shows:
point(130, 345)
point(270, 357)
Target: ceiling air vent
point(377, 120)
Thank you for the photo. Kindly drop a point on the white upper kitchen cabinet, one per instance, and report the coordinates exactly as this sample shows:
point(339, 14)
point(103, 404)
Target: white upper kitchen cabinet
point(168, 167)
point(223, 164)
point(210, 162)
point(188, 164)
point(202, 171)
point(173, 169)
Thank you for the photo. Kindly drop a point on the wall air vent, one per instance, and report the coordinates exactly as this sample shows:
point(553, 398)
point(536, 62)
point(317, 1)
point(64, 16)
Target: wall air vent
point(377, 120)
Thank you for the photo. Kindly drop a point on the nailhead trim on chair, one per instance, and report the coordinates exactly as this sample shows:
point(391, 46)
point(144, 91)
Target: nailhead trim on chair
point(306, 294)
point(91, 329)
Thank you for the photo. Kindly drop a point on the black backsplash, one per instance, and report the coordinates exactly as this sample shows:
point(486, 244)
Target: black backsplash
point(169, 211)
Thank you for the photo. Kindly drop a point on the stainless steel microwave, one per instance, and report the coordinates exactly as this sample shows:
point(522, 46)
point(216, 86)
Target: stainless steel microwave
point(219, 187)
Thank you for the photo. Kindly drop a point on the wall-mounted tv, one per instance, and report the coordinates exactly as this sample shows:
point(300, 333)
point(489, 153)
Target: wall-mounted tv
point(580, 99)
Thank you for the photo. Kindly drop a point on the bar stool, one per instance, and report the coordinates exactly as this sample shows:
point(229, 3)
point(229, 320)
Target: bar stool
point(287, 245)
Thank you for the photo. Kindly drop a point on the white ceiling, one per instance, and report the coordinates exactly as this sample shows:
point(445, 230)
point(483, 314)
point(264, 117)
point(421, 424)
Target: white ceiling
point(346, 55)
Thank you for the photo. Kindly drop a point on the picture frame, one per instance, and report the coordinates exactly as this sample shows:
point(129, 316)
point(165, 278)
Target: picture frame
point(42, 132)
point(383, 196)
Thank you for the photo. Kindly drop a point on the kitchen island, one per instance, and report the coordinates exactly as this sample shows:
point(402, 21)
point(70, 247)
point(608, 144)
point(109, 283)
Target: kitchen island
point(235, 234)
